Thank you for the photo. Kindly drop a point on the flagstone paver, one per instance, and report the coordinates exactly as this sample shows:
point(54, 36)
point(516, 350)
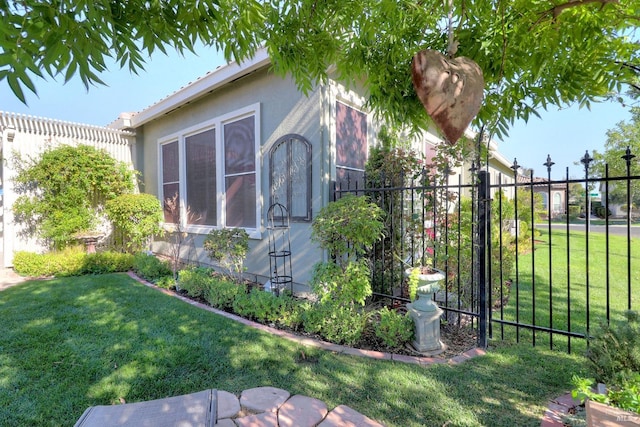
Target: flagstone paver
point(228, 404)
point(263, 399)
point(301, 411)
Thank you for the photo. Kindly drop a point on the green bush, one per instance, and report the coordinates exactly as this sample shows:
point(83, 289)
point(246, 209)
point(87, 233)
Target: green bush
point(260, 306)
point(624, 395)
point(166, 282)
point(222, 292)
point(67, 262)
point(72, 261)
point(614, 350)
point(229, 247)
point(243, 305)
point(345, 325)
point(345, 285)
point(293, 311)
point(150, 268)
point(335, 323)
point(30, 264)
point(107, 262)
point(314, 317)
point(393, 328)
point(136, 219)
point(195, 281)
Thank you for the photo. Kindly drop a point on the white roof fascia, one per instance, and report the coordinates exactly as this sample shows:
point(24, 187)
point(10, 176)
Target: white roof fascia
point(201, 87)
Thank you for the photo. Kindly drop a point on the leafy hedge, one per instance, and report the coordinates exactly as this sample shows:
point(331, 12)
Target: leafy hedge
point(72, 261)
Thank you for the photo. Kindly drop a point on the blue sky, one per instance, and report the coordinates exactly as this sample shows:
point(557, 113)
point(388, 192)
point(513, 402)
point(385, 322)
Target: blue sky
point(564, 134)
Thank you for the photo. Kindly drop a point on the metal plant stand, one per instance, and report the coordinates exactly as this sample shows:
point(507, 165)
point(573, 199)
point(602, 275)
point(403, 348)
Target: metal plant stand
point(279, 248)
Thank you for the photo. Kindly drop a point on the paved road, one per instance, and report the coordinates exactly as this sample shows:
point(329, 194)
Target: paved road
point(617, 230)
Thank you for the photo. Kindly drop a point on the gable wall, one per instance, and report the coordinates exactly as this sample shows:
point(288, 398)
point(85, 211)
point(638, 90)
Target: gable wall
point(283, 110)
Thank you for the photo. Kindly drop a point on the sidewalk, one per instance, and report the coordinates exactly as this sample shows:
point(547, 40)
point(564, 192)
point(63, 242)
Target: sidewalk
point(8, 278)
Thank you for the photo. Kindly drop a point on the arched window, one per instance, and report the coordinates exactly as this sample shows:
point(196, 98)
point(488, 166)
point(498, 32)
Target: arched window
point(290, 175)
point(545, 201)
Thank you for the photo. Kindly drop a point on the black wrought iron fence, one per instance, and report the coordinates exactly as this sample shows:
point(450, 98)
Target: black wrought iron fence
point(525, 258)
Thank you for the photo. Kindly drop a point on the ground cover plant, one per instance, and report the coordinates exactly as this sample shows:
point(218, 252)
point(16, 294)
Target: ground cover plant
point(533, 287)
point(69, 343)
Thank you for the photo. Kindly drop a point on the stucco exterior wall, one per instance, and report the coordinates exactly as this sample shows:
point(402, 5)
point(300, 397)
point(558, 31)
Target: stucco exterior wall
point(283, 110)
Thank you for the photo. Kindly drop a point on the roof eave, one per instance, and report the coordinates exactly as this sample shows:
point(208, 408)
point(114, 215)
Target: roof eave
point(201, 87)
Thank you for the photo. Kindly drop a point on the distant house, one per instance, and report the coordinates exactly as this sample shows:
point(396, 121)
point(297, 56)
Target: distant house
point(554, 197)
point(234, 142)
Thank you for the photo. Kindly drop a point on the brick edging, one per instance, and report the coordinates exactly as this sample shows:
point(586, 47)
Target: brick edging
point(311, 342)
point(558, 408)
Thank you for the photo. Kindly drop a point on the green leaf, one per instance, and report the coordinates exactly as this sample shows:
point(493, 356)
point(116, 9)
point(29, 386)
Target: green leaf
point(14, 84)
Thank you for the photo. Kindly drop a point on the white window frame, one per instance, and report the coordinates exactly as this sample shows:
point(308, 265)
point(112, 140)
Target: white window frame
point(217, 124)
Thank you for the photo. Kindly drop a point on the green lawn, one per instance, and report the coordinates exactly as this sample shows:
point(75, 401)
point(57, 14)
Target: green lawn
point(569, 308)
point(74, 342)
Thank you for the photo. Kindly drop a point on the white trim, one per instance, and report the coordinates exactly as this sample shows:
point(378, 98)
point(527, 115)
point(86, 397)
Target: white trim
point(217, 124)
point(201, 87)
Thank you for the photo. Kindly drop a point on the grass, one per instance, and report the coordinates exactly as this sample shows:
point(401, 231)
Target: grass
point(568, 285)
point(75, 342)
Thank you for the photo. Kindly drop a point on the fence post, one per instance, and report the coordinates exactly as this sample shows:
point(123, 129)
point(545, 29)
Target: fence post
point(483, 197)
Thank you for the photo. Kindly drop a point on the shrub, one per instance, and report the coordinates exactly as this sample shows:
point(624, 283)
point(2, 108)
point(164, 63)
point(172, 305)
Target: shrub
point(625, 395)
point(243, 305)
point(68, 262)
point(293, 314)
point(195, 281)
point(136, 219)
point(228, 246)
point(62, 192)
point(314, 317)
point(394, 329)
point(348, 227)
point(30, 264)
point(150, 268)
point(347, 286)
point(344, 325)
point(614, 350)
point(221, 293)
point(166, 282)
point(72, 261)
point(266, 306)
point(107, 262)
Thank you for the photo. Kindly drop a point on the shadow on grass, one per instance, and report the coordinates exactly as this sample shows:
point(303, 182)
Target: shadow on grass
point(72, 343)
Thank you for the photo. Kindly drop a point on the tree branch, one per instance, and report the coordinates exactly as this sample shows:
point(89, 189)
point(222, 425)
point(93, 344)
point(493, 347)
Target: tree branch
point(558, 9)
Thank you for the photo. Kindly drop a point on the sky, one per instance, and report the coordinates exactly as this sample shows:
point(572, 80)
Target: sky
point(564, 134)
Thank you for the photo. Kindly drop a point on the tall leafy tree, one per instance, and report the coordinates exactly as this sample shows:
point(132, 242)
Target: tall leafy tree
point(534, 53)
point(625, 135)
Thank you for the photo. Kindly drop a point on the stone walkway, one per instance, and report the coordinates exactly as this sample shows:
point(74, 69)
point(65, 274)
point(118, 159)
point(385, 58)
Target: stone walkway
point(270, 407)
point(558, 408)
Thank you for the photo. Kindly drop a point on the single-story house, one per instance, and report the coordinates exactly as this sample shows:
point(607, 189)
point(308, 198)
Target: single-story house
point(239, 139)
point(554, 194)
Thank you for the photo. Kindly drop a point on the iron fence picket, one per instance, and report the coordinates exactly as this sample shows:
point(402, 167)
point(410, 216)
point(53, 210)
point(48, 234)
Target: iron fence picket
point(520, 288)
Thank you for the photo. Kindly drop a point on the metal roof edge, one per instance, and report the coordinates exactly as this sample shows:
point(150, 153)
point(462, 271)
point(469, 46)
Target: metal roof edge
point(218, 78)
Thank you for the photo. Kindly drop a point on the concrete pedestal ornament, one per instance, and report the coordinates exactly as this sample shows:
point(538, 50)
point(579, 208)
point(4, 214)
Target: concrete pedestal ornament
point(426, 313)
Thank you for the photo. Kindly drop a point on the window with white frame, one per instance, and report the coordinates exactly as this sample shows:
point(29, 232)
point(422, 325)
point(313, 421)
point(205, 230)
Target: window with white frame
point(211, 171)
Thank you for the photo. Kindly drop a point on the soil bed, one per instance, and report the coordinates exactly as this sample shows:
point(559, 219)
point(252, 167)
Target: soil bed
point(457, 339)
